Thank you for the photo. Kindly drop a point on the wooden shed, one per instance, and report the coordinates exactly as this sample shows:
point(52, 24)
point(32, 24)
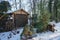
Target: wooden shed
point(20, 18)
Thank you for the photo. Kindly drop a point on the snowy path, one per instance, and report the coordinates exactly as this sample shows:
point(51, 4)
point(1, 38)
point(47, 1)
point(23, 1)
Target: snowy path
point(41, 36)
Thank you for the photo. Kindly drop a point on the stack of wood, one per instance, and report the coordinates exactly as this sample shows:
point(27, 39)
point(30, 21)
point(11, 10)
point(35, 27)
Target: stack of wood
point(51, 27)
point(9, 25)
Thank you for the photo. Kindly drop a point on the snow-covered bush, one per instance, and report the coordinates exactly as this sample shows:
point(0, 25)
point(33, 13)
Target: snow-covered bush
point(27, 32)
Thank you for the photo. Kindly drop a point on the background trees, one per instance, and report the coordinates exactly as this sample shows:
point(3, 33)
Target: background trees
point(53, 9)
point(5, 6)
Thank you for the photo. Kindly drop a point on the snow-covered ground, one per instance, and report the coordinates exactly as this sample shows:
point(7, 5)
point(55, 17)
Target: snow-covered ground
point(50, 35)
point(11, 35)
point(40, 36)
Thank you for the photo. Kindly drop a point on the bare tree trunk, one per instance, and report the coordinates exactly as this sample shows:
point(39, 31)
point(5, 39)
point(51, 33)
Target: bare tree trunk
point(16, 4)
point(20, 4)
point(55, 9)
point(34, 7)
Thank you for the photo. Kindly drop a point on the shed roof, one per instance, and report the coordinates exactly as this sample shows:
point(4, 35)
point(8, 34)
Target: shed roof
point(21, 11)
